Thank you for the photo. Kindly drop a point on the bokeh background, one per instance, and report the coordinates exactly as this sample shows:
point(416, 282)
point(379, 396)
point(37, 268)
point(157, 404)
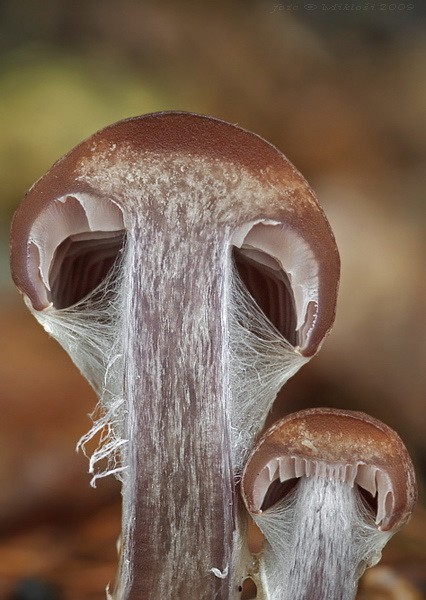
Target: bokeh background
point(342, 91)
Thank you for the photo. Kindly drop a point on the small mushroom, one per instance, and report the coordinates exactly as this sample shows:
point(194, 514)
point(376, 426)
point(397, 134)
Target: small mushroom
point(189, 271)
point(327, 488)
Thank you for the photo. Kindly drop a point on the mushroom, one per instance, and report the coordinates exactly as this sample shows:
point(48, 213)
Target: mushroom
point(327, 488)
point(188, 270)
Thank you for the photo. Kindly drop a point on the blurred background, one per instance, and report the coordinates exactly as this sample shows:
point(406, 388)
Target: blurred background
point(342, 92)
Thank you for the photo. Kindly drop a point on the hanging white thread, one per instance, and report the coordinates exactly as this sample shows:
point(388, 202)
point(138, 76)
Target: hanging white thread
point(261, 361)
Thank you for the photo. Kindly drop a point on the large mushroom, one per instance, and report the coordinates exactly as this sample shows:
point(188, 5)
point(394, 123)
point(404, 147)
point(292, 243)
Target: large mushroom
point(328, 488)
point(189, 271)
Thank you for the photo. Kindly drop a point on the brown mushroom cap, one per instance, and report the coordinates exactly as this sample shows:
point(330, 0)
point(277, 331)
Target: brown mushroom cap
point(345, 445)
point(66, 203)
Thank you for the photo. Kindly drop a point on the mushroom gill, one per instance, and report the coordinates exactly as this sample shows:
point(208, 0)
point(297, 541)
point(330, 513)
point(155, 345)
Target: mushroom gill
point(80, 265)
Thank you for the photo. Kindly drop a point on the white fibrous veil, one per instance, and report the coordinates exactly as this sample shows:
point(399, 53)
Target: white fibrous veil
point(91, 330)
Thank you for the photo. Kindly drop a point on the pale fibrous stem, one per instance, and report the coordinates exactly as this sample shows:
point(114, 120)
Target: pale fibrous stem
point(178, 483)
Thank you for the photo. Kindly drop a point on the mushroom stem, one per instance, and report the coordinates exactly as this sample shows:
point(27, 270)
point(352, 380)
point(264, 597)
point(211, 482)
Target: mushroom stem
point(178, 485)
point(319, 537)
